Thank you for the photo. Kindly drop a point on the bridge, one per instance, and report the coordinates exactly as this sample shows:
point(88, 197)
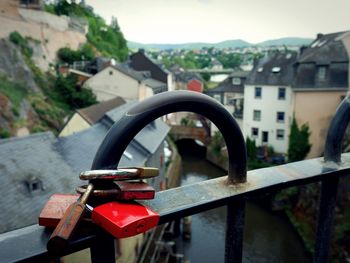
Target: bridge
point(29, 243)
point(178, 132)
point(211, 71)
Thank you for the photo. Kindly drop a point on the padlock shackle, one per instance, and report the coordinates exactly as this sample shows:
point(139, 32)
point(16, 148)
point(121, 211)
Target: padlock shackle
point(122, 132)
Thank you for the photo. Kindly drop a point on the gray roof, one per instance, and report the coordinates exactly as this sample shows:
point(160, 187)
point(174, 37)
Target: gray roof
point(227, 85)
point(28, 160)
point(54, 163)
point(187, 76)
point(326, 52)
point(155, 85)
point(80, 148)
point(94, 113)
point(149, 137)
point(145, 76)
point(130, 72)
point(325, 49)
point(275, 69)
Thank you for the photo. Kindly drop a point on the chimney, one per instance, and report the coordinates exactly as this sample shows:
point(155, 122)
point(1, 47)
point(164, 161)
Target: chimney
point(142, 50)
point(302, 49)
point(319, 35)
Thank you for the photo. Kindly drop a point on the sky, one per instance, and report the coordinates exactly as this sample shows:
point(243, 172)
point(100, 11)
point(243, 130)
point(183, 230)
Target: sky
point(183, 21)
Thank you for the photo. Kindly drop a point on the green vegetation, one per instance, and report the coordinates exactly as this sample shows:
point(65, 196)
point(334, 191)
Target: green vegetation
point(22, 42)
point(108, 40)
point(299, 145)
point(187, 122)
point(231, 60)
point(49, 115)
point(76, 98)
point(217, 142)
point(68, 55)
point(14, 91)
point(303, 227)
point(4, 133)
point(62, 94)
point(211, 85)
point(251, 149)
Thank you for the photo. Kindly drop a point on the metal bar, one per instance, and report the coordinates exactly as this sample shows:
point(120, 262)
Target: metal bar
point(195, 198)
point(103, 249)
point(327, 203)
point(234, 231)
point(332, 157)
point(122, 132)
point(30, 243)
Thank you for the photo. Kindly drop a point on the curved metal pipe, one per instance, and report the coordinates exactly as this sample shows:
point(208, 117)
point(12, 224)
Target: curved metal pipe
point(122, 132)
point(336, 131)
point(329, 186)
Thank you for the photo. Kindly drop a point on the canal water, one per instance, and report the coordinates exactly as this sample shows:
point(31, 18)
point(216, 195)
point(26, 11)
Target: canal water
point(268, 236)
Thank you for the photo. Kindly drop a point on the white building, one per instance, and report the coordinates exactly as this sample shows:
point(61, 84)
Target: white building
point(230, 93)
point(268, 102)
point(308, 87)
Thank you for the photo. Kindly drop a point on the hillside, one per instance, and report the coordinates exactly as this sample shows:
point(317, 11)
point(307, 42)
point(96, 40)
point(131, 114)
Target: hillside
point(288, 41)
point(49, 32)
point(33, 97)
point(237, 43)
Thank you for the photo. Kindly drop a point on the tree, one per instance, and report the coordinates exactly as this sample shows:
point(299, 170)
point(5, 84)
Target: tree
point(299, 145)
point(114, 24)
point(251, 149)
point(76, 98)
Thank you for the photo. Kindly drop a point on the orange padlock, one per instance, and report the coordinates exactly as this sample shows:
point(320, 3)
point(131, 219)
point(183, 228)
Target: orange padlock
point(124, 219)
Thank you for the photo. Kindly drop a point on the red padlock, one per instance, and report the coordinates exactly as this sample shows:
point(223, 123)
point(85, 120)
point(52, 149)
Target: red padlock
point(135, 190)
point(124, 219)
point(54, 209)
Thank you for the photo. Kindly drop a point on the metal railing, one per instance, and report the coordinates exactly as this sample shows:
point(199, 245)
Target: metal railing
point(29, 244)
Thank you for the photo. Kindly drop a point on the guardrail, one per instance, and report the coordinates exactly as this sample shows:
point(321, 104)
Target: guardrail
point(29, 244)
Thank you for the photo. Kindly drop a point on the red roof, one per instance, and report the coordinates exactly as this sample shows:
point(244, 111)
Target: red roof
point(195, 85)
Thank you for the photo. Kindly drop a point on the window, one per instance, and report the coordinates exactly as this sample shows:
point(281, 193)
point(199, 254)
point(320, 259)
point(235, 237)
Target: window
point(258, 92)
point(110, 72)
point(255, 132)
point(280, 116)
point(276, 70)
point(34, 184)
point(265, 137)
point(229, 99)
point(321, 73)
point(217, 97)
point(281, 93)
point(236, 81)
point(128, 155)
point(280, 134)
point(257, 115)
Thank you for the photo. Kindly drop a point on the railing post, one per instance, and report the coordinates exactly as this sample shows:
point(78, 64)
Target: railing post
point(329, 186)
point(103, 249)
point(234, 231)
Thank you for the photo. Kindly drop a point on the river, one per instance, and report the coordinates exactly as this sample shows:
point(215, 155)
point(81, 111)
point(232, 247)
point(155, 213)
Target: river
point(268, 236)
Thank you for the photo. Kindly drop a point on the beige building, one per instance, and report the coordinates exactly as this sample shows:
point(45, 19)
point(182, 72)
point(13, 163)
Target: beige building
point(317, 108)
point(119, 81)
point(321, 82)
point(86, 117)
